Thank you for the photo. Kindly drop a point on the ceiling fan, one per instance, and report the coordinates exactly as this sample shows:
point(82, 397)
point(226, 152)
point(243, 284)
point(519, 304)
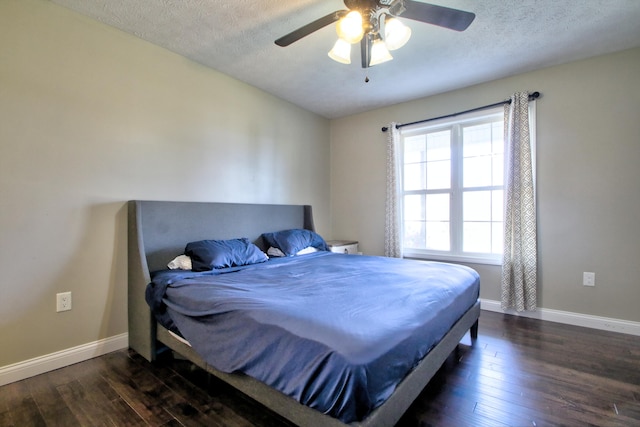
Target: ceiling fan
point(372, 26)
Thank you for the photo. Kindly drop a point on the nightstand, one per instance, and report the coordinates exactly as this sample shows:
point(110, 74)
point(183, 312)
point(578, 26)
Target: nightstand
point(343, 246)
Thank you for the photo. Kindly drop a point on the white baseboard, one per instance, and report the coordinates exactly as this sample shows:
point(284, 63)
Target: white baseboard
point(49, 362)
point(569, 318)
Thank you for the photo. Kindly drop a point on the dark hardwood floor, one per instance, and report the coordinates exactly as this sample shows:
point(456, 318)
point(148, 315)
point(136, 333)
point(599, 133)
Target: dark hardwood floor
point(519, 372)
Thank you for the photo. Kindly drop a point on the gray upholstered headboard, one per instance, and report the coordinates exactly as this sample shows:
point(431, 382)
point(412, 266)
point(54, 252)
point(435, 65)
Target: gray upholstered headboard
point(158, 232)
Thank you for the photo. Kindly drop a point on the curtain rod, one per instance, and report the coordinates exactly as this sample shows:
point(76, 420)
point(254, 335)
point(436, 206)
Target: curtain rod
point(532, 96)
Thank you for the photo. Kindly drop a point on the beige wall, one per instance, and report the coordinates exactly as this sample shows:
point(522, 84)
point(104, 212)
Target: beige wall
point(91, 117)
point(588, 128)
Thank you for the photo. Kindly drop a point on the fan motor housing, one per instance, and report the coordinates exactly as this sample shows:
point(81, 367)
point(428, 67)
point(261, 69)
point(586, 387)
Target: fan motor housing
point(362, 5)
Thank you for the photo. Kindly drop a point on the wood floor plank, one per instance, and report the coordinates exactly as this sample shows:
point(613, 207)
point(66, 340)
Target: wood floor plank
point(123, 415)
point(26, 413)
point(49, 401)
point(90, 375)
point(213, 397)
point(21, 408)
point(87, 410)
point(139, 390)
point(5, 419)
point(188, 416)
point(208, 401)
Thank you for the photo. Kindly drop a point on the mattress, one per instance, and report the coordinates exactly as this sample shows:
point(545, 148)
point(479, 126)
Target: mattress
point(336, 332)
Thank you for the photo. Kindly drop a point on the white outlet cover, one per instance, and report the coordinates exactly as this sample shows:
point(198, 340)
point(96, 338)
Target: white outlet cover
point(63, 301)
point(588, 279)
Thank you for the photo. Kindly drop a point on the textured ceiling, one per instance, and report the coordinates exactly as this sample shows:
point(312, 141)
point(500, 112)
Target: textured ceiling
point(506, 38)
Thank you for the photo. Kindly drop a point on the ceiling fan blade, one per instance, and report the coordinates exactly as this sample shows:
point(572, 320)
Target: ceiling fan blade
point(310, 28)
point(441, 16)
point(365, 50)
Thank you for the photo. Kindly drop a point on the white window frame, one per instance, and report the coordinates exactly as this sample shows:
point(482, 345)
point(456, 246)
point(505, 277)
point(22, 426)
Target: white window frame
point(455, 254)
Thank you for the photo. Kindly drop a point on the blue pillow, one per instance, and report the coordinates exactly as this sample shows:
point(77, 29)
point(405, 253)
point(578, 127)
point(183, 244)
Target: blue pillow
point(210, 254)
point(291, 242)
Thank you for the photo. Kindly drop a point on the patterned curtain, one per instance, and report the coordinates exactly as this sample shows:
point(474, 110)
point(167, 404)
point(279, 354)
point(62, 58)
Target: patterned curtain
point(520, 260)
point(393, 215)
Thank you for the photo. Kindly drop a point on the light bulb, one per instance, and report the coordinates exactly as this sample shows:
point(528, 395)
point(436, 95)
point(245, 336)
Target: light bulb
point(341, 52)
point(396, 34)
point(349, 28)
point(379, 52)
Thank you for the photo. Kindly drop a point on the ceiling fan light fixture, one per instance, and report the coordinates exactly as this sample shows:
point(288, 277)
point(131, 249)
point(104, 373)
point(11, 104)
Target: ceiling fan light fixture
point(396, 34)
point(341, 52)
point(379, 52)
point(376, 34)
point(349, 28)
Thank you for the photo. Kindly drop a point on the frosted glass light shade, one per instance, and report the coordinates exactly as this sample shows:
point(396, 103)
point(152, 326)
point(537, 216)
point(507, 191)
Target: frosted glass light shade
point(379, 53)
point(396, 34)
point(341, 52)
point(349, 28)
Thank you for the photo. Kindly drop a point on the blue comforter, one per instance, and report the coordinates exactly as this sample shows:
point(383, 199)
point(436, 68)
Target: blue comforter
point(336, 332)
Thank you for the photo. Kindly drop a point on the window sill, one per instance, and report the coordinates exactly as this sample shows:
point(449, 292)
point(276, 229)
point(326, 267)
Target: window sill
point(413, 254)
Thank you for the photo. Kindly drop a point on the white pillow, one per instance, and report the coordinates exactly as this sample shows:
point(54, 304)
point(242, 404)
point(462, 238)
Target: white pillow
point(275, 252)
point(307, 250)
point(181, 262)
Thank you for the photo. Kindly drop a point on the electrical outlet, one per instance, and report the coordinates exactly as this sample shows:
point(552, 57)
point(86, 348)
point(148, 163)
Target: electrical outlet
point(588, 279)
point(63, 301)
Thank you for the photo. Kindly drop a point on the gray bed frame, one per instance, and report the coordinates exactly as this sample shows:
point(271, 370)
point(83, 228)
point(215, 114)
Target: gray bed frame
point(158, 231)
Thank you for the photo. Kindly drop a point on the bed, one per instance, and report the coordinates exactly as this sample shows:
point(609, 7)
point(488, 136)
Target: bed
point(158, 232)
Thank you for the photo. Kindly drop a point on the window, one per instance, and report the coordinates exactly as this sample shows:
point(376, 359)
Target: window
point(452, 197)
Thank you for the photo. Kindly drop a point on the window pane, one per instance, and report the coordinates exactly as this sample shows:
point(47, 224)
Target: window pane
point(497, 136)
point(426, 224)
point(482, 216)
point(497, 240)
point(477, 140)
point(477, 237)
point(437, 207)
point(414, 162)
point(497, 206)
point(438, 236)
point(438, 156)
point(414, 205)
point(439, 146)
point(414, 234)
point(414, 176)
point(437, 226)
point(476, 171)
point(483, 154)
point(476, 206)
point(414, 224)
point(415, 149)
point(498, 169)
point(439, 175)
